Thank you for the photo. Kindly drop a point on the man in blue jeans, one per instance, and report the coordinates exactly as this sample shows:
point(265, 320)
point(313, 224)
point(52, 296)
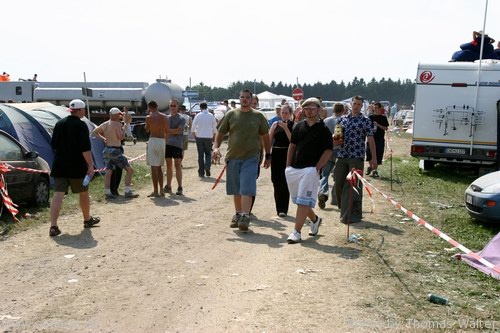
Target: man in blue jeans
point(204, 128)
point(330, 122)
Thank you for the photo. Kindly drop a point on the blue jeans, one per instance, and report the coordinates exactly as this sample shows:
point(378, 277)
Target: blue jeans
point(325, 174)
point(204, 146)
point(241, 176)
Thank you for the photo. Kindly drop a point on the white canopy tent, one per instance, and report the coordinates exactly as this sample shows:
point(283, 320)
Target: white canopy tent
point(269, 100)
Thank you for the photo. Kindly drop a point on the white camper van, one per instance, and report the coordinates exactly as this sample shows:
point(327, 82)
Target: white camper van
point(455, 118)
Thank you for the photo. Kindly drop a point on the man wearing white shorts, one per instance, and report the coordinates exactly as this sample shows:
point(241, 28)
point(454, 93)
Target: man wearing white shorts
point(157, 126)
point(310, 149)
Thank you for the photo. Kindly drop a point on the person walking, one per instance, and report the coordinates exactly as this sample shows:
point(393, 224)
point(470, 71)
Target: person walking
point(173, 148)
point(157, 126)
point(330, 123)
point(245, 127)
point(204, 129)
point(380, 126)
point(310, 148)
point(356, 129)
point(72, 163)
point(112, 132)
point(280, 134)
point(187, 128)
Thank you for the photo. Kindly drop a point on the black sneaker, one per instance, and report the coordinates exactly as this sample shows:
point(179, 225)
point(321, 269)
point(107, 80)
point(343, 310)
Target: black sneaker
point(322, 198)
point(179, 191)
point(207, 172)
point(368, 171)
point(54, 231)
point(375, 174)
point(167, 189)
point(91, 222)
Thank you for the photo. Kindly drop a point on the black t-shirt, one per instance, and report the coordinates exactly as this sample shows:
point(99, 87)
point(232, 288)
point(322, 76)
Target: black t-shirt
point(381, 120)
point(69, 140)
point(311, 142)
point(280, 138)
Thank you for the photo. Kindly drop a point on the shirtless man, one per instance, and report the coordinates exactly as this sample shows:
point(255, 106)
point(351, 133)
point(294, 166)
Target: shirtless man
point(112, 133)
point(157, 126)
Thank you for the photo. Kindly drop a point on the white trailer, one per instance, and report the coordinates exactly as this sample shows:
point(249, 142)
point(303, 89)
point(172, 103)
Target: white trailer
point(455, 117)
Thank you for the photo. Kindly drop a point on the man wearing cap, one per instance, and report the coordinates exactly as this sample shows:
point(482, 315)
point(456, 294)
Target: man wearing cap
point(309, 150)
point(357, 129)
point(72, 162)
point(112, 132)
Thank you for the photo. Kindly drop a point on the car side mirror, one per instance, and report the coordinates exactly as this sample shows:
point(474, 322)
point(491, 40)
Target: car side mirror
point(32, 155)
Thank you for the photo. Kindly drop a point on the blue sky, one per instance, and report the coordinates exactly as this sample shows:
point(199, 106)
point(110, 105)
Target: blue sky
point(222, 41)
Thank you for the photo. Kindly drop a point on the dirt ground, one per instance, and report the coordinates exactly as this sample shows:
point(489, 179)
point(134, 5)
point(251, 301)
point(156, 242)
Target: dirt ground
point(173, 265)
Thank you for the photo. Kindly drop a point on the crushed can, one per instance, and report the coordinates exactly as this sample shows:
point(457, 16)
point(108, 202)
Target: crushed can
point(437, 299)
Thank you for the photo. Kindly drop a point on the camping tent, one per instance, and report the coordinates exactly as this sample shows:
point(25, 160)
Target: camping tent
point(27, 130)
point(48, 115)
point(268, 99)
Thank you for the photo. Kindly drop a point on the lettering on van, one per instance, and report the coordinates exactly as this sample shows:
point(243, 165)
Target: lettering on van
point(458, 117)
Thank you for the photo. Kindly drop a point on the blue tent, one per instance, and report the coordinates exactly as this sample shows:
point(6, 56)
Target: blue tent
point(49, 114)
point(46, 115)
point(27, 130)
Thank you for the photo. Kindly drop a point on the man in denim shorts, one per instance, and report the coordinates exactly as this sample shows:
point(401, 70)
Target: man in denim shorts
point(112, 133)
point(245, 127)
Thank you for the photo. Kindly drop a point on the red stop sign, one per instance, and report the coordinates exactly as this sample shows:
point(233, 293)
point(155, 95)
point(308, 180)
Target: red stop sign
point(297, 94)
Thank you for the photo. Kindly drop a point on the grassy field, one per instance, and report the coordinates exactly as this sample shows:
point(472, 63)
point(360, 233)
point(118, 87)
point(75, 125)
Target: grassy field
point(423, 262)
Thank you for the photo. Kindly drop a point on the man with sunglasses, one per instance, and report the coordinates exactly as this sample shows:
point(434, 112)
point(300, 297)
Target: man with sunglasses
point(245, 127)
point(173, 148)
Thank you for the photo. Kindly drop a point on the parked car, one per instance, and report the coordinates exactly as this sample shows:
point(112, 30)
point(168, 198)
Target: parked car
point(408, 120)
point(23, 186)
point(482, 197)
point(399, 117)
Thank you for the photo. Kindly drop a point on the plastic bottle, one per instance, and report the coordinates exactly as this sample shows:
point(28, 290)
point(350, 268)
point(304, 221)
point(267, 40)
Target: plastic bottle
point(86, 180)
point(437, 299)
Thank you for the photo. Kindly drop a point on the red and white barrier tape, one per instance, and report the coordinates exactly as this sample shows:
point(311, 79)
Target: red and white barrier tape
point(435, 231)
point(25, 169)
point(7, 201)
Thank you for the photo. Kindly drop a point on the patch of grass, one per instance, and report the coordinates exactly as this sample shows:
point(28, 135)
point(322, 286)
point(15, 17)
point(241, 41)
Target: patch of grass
point(437, 196)
point(30, 216)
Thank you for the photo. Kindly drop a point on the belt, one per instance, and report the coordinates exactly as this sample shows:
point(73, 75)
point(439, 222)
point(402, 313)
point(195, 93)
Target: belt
point(274, 147)
point(113, 147)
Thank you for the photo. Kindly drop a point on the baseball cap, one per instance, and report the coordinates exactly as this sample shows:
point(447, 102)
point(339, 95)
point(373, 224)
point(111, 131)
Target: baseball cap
point(114, 111)
point(277, 106)
point(76, 104)
point(312, 100)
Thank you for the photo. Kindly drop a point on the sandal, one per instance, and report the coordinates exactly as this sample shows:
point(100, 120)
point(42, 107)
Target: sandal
point(91, 222)
point(54, 231)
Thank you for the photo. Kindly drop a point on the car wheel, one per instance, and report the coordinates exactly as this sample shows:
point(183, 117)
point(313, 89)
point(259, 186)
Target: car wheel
point(429, 165)
point(40, 193)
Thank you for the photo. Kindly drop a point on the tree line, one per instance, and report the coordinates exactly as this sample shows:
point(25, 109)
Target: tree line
point(400, 91)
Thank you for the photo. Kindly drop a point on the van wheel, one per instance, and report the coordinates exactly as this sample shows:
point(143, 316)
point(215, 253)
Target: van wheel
point(41, 193)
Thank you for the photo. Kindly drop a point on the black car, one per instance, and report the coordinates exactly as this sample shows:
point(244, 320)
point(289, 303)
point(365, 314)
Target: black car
point(24, 186)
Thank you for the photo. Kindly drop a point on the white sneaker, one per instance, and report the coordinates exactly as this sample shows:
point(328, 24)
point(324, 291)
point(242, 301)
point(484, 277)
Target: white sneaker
point(315, 226)
point(294, 237)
